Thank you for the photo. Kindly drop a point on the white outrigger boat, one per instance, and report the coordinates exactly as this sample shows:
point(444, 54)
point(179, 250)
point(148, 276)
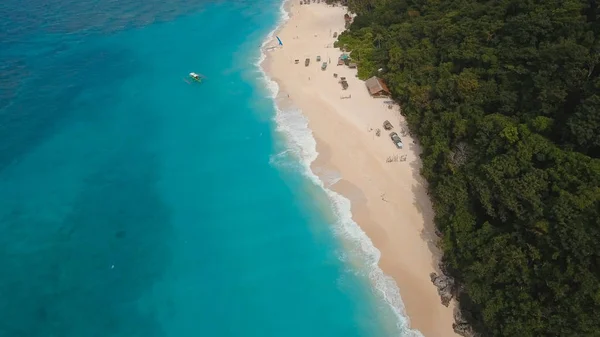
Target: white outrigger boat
point(196, 77)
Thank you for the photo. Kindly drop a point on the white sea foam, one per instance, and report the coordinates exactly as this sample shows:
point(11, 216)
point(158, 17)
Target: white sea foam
point(301, 144)
point(329, 177)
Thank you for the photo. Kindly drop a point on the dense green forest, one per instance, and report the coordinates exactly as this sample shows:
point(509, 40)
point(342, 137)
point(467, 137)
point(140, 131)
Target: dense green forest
point(504, 98)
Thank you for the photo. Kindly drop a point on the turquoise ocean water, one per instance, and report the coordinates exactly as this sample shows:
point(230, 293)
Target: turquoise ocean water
point(135, 204)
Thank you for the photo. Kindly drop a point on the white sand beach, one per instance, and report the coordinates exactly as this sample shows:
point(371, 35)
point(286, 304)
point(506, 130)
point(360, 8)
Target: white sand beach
point(389, 199)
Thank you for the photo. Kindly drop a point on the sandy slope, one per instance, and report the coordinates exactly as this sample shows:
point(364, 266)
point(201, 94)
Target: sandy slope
point(389, 200)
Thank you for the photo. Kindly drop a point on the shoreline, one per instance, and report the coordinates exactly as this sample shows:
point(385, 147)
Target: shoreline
point(397, 223)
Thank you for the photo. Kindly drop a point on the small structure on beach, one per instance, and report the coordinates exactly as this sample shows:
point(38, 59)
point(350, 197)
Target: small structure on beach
point(343, 59)
point(352, 65)
point(377, 87)
point(344, 83)
point(387, 125)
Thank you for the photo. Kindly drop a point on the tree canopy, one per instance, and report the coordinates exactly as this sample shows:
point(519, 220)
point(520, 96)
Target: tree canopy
point(504, 98)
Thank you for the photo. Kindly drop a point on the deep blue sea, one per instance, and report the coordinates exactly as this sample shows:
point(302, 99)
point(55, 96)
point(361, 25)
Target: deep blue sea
point(133, 203)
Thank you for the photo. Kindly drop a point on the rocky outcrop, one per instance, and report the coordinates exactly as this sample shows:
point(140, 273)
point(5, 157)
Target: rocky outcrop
point(461, 326)
point(445, 287)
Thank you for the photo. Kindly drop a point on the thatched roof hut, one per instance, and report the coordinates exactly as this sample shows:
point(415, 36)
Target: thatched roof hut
point(377, 87)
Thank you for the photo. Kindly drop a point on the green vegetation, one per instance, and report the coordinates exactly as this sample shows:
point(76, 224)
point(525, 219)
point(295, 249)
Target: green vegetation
point(504, 97)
